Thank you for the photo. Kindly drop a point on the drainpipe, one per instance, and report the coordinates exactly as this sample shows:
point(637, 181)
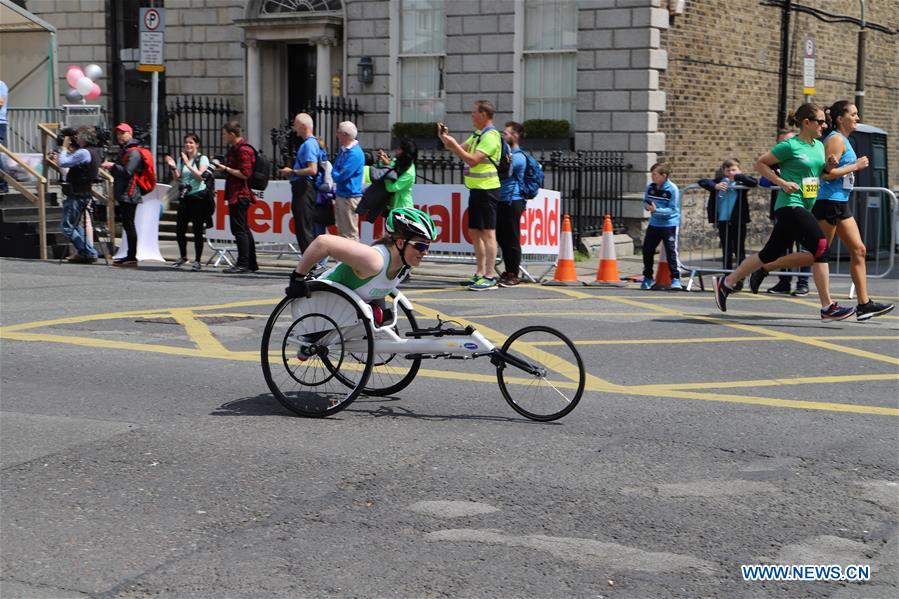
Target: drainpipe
point(784, 64)
point(860, 63)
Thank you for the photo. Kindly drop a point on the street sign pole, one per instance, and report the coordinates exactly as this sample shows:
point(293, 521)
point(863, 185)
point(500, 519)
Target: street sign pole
point(154, 112)
point(152, 44)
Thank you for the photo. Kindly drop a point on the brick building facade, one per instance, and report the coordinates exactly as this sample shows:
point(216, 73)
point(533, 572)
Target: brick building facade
point(692, 88)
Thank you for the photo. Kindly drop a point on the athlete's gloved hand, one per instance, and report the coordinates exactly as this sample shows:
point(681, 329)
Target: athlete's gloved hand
point(298, 286)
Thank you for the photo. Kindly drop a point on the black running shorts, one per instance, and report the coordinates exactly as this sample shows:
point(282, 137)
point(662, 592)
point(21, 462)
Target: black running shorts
point(832, 211)
point(795, 224)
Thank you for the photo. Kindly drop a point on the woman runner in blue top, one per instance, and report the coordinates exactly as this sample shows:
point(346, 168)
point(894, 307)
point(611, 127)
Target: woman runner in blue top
point(833, 211)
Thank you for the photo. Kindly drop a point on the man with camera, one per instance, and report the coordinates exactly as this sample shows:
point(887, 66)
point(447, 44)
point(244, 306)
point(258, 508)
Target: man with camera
point(79, 152)
point(481, 153)
point(129, 164)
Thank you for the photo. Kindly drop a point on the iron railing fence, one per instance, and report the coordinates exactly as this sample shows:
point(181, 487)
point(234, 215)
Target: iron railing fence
point(591, 183)
point(326, 114)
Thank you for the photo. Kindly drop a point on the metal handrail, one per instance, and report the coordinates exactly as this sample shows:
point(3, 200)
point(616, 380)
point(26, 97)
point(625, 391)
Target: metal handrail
point(39, 199)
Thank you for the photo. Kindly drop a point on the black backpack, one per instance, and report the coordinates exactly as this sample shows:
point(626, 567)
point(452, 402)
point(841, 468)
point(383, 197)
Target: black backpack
point(504, 166)
point(262, 170)
point(209, 193)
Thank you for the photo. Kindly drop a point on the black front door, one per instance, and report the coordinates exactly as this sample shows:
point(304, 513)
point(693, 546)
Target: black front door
point(301, 77)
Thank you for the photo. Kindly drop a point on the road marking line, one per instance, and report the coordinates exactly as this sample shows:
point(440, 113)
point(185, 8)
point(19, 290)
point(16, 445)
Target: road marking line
point(210, 347)
point(198, 332)
point(859, 353)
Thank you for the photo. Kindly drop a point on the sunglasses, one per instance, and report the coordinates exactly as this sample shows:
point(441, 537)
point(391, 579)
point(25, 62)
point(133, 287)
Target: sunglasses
point(819, 121)
point(420, 245)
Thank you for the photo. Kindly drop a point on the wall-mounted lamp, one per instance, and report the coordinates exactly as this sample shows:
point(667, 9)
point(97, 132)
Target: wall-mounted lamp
point(366, 70)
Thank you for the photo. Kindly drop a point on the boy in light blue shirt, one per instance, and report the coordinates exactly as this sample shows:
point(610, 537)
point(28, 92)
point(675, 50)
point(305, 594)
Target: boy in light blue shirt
point(662, 200)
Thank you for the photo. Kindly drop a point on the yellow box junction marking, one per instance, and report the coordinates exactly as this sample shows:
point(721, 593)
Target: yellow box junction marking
point(207, 346)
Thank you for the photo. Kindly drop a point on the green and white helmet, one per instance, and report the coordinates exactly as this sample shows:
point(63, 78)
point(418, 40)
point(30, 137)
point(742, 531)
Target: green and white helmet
point(411, 222)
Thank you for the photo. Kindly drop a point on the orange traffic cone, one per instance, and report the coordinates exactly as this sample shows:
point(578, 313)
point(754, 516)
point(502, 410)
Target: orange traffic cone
point(607, 273)
point(663, 273)
point(565, 273)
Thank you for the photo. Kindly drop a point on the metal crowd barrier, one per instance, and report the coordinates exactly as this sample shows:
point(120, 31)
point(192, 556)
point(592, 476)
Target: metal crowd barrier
point(875, 210)
point(469, 258)
point(224, 250)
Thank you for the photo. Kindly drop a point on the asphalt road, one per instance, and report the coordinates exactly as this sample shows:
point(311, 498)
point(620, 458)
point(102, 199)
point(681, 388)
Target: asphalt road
point(143, 455)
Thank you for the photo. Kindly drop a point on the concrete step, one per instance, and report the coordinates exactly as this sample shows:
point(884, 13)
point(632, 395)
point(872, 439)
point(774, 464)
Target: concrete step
point(30, 213)
point(624, 245)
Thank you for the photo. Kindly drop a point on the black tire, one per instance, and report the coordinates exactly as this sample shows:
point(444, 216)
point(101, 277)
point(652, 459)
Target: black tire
point(559, 387)
point(306, 349)
point(391, 373)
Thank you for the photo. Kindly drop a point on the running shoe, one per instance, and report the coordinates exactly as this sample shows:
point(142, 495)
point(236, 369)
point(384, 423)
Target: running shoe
point(483, 284)
point(721, 292)
point(509, 280)
point(676, 285)
point(756, 278)
point(196, 265)
point(179, 262)
point(81, 259)
point(471, 280)
point(647, 283)
point(782, 288)
point(801, 289)
point(871, 309)
point(835, 312)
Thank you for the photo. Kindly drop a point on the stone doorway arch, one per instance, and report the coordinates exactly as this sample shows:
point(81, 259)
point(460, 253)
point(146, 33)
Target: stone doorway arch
point(294, 51)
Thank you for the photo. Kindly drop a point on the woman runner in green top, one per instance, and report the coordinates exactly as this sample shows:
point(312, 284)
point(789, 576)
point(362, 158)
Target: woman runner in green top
point(801, 160)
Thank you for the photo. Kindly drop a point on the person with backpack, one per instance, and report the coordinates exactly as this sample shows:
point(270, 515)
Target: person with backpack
point(191, 174)
point(482, 154)
point(302, 180)
point(134, 177)
point(511, 206)
point(238, 168)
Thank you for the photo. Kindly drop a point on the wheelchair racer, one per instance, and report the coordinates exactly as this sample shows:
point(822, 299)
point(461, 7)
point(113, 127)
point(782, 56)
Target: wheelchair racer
point(372, 271)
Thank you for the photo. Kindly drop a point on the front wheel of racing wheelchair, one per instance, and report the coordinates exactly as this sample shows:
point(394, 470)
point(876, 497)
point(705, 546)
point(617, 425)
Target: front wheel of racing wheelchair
point(540, 373)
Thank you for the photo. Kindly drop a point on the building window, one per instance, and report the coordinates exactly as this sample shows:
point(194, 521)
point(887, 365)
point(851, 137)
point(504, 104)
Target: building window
point(550, 59)
point(422, 49)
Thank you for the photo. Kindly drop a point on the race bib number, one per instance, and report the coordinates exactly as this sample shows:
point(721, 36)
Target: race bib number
point(810, 188)
point(849, 181)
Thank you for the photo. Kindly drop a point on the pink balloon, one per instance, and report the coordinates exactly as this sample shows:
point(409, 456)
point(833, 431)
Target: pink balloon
point(73, 75)
point(94, 93)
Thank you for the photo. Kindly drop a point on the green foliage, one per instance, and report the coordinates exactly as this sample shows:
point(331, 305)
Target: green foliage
point(416, 130)
point(546, 129)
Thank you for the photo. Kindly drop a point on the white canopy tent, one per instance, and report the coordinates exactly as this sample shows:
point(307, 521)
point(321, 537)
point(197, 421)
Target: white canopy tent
point(28, 57)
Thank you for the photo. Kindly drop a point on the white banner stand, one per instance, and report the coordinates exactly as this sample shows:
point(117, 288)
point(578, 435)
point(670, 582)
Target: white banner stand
point(146, 222)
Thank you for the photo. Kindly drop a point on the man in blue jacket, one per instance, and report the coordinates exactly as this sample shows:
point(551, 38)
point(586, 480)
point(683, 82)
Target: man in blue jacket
point(347, 175)
point(662, 200)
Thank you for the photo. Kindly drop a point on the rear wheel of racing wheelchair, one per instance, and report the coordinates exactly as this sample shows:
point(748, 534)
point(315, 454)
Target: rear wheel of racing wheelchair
point(542, 375)
point(392, 372)
point(316, 352)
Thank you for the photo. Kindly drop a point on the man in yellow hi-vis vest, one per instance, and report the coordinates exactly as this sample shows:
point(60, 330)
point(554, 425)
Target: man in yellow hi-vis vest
point(481, 152)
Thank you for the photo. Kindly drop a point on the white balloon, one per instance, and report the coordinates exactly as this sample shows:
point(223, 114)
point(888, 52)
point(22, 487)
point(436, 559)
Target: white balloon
point(93, 71)
point(84, 86)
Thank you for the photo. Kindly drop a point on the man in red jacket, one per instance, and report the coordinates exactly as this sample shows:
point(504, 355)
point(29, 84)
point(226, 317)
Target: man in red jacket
point(238, 167)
